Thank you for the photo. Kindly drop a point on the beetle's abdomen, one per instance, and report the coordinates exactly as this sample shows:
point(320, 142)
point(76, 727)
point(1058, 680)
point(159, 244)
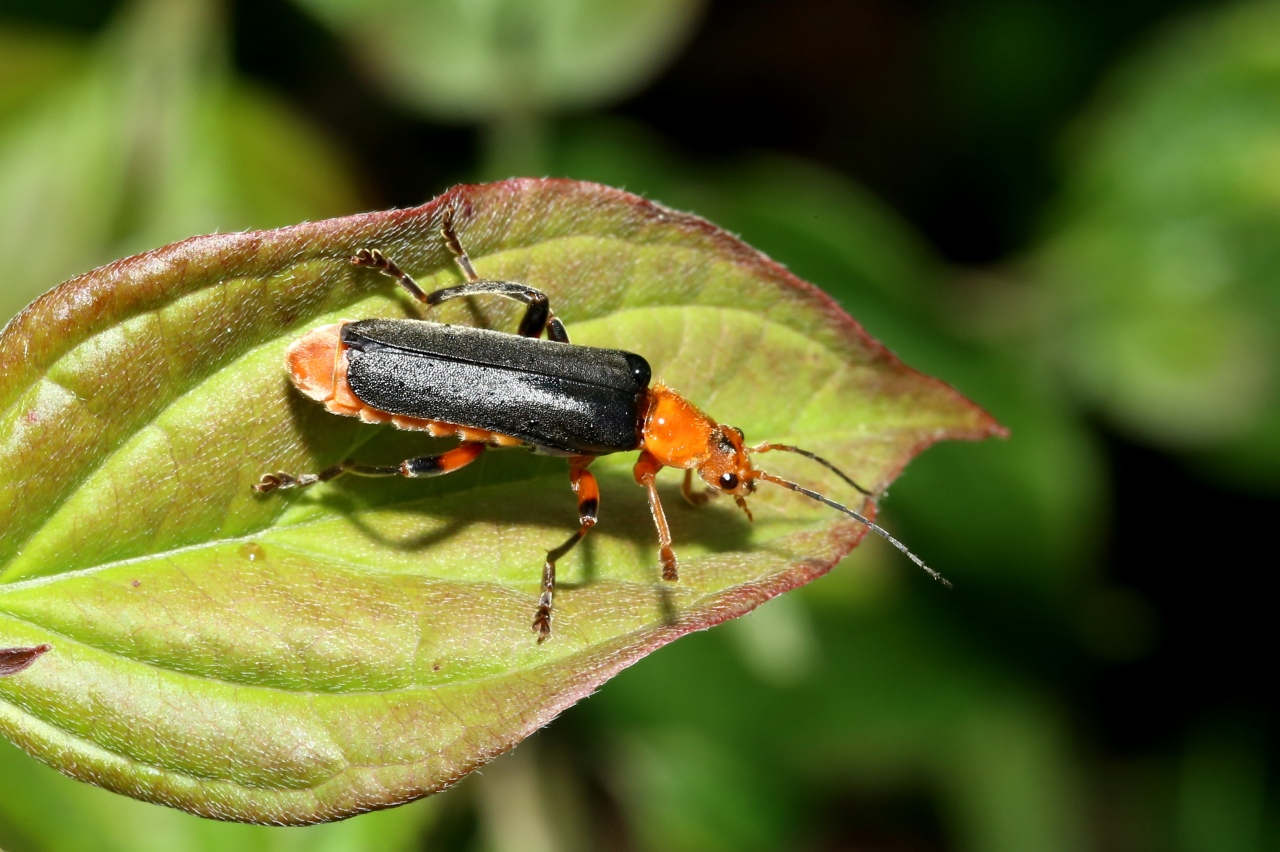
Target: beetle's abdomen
point(554, 396)
point(318, 367)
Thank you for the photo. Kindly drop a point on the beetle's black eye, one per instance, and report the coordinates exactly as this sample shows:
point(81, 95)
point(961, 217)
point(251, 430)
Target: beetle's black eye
point(728, 481)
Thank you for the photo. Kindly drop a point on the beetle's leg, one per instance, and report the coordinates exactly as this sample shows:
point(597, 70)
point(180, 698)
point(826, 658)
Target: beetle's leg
point(646, 471)
point(695, 498)
point(455, 245)
point(537, 317)
point(447, 462)
point(584, 485)
point(375, 259)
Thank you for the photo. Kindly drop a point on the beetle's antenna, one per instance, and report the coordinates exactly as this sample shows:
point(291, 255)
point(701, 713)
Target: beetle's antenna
point(875, 528)
point(766, 447)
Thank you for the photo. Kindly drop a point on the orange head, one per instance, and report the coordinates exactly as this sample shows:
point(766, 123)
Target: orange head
point(727, 466)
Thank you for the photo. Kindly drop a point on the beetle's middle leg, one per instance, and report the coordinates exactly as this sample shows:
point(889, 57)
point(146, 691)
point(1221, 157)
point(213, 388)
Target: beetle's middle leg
point(455, 246)
point(537, 317)
point(421, 466)
point(585, 486)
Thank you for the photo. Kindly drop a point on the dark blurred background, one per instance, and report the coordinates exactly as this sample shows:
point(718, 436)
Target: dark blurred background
point(1069, 210)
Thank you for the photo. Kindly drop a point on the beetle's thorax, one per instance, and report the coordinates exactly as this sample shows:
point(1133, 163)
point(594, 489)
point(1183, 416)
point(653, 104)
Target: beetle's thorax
point(675, 432)
point(678, 434)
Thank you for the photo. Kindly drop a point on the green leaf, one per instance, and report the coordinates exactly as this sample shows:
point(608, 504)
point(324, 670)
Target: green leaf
point(90, 819)
point(305, 657)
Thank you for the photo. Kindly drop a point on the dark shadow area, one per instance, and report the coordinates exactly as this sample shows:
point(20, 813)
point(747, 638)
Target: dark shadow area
point(880, 820)
point(506, 481)
point(1200, 554)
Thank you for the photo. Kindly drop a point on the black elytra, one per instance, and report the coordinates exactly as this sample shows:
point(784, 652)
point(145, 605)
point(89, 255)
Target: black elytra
point(559, 398)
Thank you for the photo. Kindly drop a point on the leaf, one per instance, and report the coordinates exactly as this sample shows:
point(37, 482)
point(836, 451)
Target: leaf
point(90, 819)
point(482, 59)
point(306, 657)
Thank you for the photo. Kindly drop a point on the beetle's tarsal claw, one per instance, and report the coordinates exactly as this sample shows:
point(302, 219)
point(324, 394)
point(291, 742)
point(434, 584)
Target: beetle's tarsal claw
point(271, 481)
point(670, 567)
point(368, 257)
point(280, 479)
point(693, 497)
point(542, 623)
point(699, 498)
point(542, 618)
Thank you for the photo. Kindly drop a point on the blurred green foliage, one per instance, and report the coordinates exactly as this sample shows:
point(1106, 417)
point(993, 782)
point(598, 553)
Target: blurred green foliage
point(479, 61)
point(140, 138)
point(1141, 300)
point(1162, 258)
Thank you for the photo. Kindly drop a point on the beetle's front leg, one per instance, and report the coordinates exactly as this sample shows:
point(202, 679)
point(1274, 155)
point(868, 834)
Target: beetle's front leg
point(646, 471)
point(695, 498)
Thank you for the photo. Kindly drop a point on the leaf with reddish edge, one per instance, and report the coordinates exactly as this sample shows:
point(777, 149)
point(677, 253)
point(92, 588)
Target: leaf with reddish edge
point(300, 657)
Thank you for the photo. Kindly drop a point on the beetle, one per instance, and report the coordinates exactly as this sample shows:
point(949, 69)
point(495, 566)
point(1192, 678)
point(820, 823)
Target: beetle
point(494, 389)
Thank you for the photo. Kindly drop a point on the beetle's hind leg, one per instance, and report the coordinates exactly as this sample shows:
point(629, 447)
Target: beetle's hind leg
point(537, 316)
point(374, 259)
point(585, 486)
point(421, 466)
point(455, 246)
